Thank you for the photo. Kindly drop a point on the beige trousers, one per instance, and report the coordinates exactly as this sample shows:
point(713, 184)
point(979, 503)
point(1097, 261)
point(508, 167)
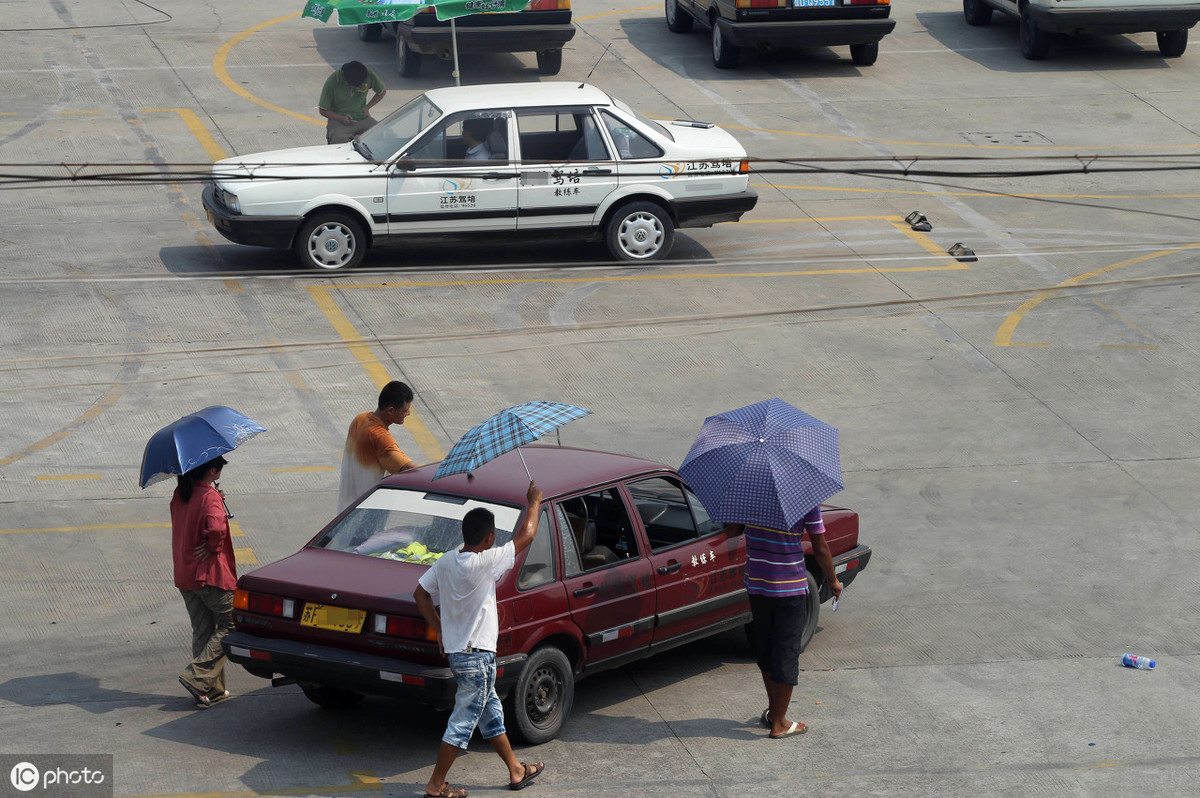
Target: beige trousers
point(339, 132)
point(211, 611)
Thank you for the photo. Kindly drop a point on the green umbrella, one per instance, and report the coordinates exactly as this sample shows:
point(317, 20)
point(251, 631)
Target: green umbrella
point(362, 12)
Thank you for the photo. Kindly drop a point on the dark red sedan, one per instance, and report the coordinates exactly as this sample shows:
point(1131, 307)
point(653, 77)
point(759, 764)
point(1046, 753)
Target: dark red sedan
point(626, 563)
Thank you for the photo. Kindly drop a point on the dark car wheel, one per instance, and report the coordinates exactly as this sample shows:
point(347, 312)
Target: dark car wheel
point(1172, 43)
point(408, 60)
point(977, 12)
point(813, 601)
point(678, 20)
point(549, 61)
point(540, 701)
point(1035, 42)
point(725, 54)
point(330, 240)
point(371, 32)
point(864, 54)
point(640, 231)
point(331, 697)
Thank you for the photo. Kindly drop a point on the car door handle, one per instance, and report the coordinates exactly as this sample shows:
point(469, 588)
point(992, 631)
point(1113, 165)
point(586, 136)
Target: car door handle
point(586, 591)
point(498, 176)
point(670, 569)
point(597, 171)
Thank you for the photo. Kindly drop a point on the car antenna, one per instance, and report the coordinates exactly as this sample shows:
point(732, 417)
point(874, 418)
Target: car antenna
point(593, 69)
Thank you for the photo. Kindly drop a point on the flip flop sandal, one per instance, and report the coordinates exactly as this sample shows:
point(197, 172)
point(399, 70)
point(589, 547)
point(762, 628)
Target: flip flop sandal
point(792, 731)
point(202, 701)
point(448, 792)
point(765, 717)
point(213, 699)
point(530, 775)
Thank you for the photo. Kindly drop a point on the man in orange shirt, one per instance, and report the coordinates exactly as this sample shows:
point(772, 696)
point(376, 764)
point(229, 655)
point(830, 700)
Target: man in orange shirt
point(371, 452)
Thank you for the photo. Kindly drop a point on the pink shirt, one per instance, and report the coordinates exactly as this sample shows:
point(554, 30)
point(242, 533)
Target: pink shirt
point(202, 519)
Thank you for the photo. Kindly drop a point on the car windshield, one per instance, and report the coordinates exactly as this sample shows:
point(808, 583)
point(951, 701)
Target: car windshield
point(411, 526)
point(398, 128)
point(645, 120)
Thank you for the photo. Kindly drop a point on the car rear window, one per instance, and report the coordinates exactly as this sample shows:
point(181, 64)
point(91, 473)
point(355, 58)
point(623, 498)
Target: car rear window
point(411, 526)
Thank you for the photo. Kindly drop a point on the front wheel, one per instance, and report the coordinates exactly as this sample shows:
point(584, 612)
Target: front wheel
point(864, 54)
point(370, 32)
point(540, 701)
point(330, 240)
point(408, 60)
point(1035, 42)
point(977, 12)
point(1172, 43)
point(640, 231)
point(331, 697)
point(549, 61)
point(725, 54)
point(678, 20)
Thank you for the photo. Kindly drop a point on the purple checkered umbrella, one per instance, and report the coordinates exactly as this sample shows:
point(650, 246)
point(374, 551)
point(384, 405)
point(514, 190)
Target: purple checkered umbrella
point(509, 429)
point(766, 464)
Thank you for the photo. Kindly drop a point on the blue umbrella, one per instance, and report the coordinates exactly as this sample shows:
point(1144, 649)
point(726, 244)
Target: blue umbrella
point(509, 429)
point(766, 464)
point(194, 440)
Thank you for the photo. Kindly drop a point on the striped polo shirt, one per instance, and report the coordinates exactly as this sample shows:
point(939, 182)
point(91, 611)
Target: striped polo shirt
point(775, 560)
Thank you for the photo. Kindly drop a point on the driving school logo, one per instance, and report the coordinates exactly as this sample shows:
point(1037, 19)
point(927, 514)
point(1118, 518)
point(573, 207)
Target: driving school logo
point(668, 170)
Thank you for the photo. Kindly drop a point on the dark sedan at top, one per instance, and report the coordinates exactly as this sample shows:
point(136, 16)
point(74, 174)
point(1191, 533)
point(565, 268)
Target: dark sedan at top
point(626, 563)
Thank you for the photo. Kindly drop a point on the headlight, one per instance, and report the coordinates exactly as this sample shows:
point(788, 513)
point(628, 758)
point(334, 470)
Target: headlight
point(231, 202)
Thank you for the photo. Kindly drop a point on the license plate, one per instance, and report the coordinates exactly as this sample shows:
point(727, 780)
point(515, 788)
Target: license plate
point(338, 619)
point(811, 3)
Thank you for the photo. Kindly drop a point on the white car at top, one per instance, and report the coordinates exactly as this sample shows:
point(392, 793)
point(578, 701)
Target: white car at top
point(558, 159)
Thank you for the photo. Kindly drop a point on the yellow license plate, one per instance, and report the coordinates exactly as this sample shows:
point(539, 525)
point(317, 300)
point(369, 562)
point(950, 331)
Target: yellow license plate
point(339, 619)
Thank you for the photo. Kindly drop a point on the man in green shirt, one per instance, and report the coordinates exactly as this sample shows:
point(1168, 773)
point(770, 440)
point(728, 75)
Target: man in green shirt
point(344, 101)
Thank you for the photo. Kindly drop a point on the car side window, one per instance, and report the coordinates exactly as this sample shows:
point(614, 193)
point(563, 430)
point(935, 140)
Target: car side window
point(554, 136)
point(629, 142)
point(567, 526)
point(704, 523)
point(600, 525)
point(538, 568)
point(666, 515)
point(488, 140)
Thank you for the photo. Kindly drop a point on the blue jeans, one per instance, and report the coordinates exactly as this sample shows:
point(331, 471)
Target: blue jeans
point(475, 702)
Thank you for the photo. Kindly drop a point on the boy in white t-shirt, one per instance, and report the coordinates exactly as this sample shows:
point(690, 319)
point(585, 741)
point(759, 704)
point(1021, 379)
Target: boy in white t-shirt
point(463, 583)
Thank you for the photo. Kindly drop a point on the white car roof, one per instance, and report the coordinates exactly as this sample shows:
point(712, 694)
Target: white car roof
point(520, 95)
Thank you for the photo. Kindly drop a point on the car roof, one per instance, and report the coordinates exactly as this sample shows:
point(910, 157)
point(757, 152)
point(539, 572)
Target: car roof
point(557, 470)
point(521, 95)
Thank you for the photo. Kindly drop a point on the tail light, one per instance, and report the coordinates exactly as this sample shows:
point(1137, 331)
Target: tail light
point(867, 2)
point(762, 4)
point(401, 626)
point(744, 167)
point(263, 604)
point(549, 5)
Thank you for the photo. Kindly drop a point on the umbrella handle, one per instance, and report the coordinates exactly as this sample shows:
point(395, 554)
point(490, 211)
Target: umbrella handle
point(523, 463)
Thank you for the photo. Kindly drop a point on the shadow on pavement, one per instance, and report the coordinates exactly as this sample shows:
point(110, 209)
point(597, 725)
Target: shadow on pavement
point(78, 690)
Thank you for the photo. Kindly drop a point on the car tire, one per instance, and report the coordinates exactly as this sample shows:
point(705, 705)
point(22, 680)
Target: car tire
point(640, 231)
point(725, 53)
point(370, 32)
point(540, 701)
point(977, 12)
point(408, 60)
point(549, 61)
point(330, 240)
point(1035, 42)
point(678, 20)
point(331, 697)
point(812, 615)
point(864, 54)
point(1172, 43)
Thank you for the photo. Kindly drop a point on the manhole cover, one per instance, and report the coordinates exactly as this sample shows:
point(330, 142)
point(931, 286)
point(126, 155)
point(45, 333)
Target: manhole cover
point(1009, 139)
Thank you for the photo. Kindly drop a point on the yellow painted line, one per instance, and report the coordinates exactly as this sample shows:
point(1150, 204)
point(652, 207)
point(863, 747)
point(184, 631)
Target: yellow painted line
point(58, 477)
point(222, 56)
point(245, 556)
point(106, 401)
point(214, 150)
point(973, 193)
point(926, 243)
point(360, 781)
point(1005, 333)
point(816, 220)
point(235, 529)
point(302, 469)
point(8, 113)
point(88, 528)
point(323, 298)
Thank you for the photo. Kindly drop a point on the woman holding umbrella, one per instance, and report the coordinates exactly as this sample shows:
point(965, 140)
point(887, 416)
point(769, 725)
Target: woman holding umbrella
point(205, 573)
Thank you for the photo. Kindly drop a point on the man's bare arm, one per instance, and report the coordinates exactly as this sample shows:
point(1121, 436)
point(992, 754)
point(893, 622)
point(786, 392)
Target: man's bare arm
point(525, 534)
point(825, 560)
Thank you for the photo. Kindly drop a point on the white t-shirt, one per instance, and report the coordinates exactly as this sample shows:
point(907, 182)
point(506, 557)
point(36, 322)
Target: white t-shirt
point(463, 583)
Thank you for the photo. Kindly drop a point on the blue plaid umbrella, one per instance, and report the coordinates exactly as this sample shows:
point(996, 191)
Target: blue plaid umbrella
point(509, 429)
point(766, 464)
point(194, 440)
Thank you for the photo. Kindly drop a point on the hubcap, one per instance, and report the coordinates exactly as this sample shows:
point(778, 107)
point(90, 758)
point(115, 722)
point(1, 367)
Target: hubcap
point(331, 246)
point(641, 235)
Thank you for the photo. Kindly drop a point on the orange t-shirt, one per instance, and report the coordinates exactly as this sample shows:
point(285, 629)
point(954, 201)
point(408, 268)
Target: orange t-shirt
point(202, 520)
point(371, 453)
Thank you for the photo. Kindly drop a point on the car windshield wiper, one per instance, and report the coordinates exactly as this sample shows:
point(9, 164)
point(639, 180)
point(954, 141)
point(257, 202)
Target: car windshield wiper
point(362, 149)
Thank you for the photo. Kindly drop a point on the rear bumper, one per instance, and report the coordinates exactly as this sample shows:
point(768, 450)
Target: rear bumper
point(1114, 21)
point(255, 231)
point(358, 672)
point(705, 212)
point(813, 33)
point(849, 565)
point(492, 39)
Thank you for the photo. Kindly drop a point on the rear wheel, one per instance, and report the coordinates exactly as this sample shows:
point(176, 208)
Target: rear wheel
point(640, 231)
point(1172, 43)
point(331, 697)
point(977, 12)
point(864, 54)
point(725, 54)
point(678, 20)
point(540, 701)
point(371, 32)
point(408, 60)
point(1035, 42)
point(549, 61)
point(331, 240)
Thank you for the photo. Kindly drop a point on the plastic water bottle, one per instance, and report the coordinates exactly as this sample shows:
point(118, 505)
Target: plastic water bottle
point(1134, 661)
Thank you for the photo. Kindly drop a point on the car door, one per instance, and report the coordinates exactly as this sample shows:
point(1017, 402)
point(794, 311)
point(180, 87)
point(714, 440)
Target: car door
point(609, 587)
point(698, 568)
point(566, 168)
point(433, 189)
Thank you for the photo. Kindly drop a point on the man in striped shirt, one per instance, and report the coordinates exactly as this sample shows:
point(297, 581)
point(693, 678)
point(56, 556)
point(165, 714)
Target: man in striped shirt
point(777, 584)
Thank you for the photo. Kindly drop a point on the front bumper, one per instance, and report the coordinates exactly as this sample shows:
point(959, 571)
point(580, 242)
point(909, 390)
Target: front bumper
point(1114, 21)
point(360, 673)
point(813, 33)
point(256, 231)
point(493, 39)
point(707, 211)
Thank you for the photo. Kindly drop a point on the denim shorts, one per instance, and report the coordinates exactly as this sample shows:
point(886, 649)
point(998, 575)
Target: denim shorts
point(475, 702)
